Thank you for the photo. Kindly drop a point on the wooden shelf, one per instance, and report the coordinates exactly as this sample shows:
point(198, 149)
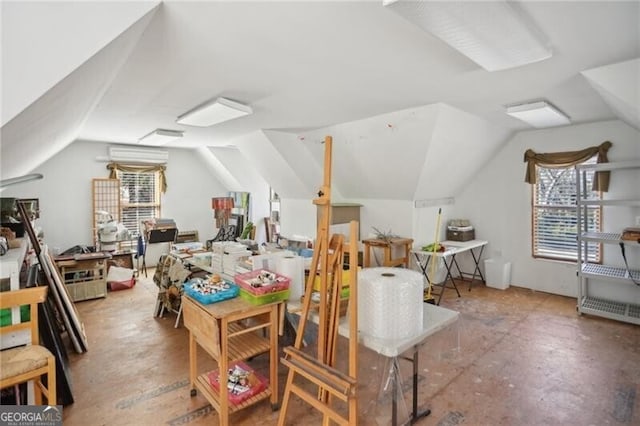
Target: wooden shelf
point(212, 395)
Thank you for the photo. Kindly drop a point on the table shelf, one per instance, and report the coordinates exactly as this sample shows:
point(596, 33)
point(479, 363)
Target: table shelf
point(213, 396)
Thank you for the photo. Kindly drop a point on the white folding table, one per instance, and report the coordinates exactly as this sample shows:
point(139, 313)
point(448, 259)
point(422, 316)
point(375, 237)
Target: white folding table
point(435, 318)
point(452, 249)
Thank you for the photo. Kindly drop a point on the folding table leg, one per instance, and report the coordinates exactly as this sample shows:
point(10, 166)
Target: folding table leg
point(477, 270)
point(449, 276)
point(177, 324)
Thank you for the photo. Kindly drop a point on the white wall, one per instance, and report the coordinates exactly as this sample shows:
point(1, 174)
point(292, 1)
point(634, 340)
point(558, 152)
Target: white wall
point(498, 202)
point(65, 193)
point(298, 217)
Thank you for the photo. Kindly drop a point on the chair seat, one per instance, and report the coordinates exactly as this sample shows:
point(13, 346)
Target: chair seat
point(22, 359)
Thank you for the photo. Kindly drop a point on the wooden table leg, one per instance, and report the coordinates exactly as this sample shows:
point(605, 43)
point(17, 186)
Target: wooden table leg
point(407, 253)
point(193, 366)
point(387, 255)
point(273, 355)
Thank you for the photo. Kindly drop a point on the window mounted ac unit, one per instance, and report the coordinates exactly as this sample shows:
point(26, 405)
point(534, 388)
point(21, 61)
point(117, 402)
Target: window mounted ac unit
point(137, 155)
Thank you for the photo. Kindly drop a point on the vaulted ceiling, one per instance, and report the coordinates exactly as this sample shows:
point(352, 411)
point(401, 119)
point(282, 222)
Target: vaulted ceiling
point(393, 96)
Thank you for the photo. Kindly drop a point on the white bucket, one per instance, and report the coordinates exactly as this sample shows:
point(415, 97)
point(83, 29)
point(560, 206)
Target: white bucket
point(497, 273)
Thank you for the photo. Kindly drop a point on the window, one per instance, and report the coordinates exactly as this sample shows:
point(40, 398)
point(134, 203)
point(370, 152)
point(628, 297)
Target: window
point(139, 197)
point(554, 214)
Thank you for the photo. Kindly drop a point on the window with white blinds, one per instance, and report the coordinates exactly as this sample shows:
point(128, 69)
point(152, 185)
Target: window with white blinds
point(555, 214)
point(139, 198)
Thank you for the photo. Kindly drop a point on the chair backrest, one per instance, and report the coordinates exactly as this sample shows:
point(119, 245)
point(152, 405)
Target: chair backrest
point(28, 296)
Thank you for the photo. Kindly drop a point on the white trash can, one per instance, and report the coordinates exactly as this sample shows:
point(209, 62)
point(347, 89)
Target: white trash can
point(497, 273)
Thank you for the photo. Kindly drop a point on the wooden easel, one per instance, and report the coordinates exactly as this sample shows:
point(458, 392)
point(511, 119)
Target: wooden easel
point(328, 255)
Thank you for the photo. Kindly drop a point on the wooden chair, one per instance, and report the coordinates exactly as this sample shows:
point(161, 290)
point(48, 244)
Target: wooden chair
point(25, 363)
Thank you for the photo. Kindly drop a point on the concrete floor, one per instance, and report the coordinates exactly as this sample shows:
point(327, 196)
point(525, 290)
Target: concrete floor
point(515, 357)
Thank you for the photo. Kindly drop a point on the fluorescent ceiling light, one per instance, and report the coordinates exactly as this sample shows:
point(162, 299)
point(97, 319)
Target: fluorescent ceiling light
point(539, 114)
point(160, 137)
point(214, 112)
point(494, 34)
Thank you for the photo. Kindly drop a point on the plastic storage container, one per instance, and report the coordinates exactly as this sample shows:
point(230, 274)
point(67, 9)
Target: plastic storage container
point(262, 281)
point(263, 299)
point(207, 298)
point(497, 273)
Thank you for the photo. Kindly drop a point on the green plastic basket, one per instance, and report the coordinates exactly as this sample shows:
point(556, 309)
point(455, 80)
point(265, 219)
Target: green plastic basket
point(263, 299)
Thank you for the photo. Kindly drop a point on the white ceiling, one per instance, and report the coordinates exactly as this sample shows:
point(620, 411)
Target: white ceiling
point(314, 64)
point(301, 66)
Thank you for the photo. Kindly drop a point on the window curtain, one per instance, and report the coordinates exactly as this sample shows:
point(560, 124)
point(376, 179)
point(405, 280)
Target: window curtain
point(569, 158)
point(114, 167)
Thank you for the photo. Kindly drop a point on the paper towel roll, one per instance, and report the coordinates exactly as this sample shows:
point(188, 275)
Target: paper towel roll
point(390, 302)
point(292, 267)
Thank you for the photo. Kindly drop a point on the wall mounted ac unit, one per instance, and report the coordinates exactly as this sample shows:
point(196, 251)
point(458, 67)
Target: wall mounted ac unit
point(138, 155)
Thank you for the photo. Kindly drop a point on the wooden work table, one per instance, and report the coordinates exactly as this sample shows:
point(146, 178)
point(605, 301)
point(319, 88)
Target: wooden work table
point(388, 244)
point(221, 330)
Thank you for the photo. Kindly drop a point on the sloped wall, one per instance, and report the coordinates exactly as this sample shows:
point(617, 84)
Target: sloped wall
point(49, 125)
point(619, 86)
point(68, 34)
point(388, 161)
point(498, 202)
point(461, 144)
point(292, 150)
point(378, 157)
point(271, 165)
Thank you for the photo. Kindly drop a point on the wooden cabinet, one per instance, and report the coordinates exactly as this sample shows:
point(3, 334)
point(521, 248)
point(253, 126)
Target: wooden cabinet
point(84, 275)
point(222, 329)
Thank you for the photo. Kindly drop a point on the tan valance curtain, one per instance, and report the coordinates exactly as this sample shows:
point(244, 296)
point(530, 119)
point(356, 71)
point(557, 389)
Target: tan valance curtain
point(569, 158)
point(114, 167)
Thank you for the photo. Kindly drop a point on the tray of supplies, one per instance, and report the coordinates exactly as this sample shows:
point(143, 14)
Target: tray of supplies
point(262, 281)
point(207, 291)
point(242, 382)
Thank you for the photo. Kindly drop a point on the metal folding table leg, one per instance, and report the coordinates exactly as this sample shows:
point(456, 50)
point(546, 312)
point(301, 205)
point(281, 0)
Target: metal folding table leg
point(415, 415)
point(476, 260)
point(449, 276)
point(424, 267)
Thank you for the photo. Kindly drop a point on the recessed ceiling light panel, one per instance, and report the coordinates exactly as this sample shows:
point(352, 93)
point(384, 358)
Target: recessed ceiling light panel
point(539, 114)
point(160, 137)
point(214, 112)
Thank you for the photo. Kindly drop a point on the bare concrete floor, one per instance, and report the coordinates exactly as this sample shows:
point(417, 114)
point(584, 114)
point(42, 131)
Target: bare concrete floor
point(515, 357)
